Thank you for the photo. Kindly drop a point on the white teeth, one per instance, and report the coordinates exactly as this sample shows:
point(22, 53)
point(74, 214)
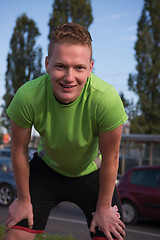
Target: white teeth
point(66, 86)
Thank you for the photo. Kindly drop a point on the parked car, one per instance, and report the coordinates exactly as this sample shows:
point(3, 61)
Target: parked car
point(118, 179)
point(6, 152)
point(139, 191)
point(7, 183)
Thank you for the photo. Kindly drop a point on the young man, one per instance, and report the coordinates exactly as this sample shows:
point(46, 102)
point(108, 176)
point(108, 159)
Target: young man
point(75, 113)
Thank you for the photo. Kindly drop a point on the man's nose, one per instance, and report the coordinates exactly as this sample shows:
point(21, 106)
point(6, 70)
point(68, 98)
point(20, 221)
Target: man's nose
point(69, 75)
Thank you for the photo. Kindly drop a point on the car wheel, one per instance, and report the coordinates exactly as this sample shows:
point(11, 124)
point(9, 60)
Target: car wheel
point(6, 194)
point(130, 213)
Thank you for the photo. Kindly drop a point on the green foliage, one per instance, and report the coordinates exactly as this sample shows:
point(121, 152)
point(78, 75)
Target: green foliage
point(1, 131)
point(2, 230)
point(53, 237)
point(23, 61)
point(1, 138)
point(146, 83)
point(129, 106)
point(124, 100)
point(77, 11)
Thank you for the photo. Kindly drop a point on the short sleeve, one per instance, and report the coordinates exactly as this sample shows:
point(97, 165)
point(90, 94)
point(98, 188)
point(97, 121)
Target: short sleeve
point(110, 113)
point(20, 110)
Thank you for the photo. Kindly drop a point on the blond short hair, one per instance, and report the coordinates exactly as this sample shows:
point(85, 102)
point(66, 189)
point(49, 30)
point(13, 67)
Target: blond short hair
point(71, 33)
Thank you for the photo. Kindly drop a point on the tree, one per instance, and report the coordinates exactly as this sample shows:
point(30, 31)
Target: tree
point(77, 11)
point(23, 61)
point(146, 83)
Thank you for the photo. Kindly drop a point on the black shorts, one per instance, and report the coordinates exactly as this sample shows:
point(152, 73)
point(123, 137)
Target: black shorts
point(48, 189)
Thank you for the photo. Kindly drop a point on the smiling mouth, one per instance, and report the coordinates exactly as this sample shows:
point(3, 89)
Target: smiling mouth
point(67, 86)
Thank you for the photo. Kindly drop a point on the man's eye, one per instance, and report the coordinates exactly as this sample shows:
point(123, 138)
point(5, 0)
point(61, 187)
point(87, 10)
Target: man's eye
point(60, 66)
point(80, 68)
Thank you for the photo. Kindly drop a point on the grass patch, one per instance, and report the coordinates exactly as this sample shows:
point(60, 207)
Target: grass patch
point(2, 230)
point(53, 237)
point(41, 236)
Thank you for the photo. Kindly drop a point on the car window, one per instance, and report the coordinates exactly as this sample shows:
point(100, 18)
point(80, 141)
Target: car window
point(146, 177)
point(5, 153)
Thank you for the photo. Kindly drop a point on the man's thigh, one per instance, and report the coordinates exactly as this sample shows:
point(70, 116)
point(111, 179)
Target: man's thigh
point(45, 191)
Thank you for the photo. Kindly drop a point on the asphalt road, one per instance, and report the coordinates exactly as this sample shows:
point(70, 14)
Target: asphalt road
point(68, 219)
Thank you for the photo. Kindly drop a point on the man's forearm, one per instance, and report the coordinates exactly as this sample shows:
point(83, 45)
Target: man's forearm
point(20, 165)
point(105, 216)
point(109, 143)
point(108, 174)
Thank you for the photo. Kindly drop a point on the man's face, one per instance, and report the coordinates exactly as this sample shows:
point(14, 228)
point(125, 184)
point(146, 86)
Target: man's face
point(69, 67)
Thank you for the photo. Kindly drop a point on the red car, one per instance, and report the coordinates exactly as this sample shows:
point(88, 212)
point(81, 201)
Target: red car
point(139, 191)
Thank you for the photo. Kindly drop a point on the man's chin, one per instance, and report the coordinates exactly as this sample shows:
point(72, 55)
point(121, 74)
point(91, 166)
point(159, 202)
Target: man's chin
point(64, 101)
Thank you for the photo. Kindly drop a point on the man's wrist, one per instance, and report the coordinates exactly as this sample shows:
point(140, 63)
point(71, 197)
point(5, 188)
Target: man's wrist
point(102, 207)
point(24, 198)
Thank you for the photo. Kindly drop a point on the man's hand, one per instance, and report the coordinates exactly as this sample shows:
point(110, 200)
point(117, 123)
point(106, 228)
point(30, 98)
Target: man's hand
point(19, 210)
point(107, 220)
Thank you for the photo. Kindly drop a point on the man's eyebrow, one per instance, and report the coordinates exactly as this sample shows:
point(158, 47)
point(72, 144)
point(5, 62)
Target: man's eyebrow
point(74, 65)
point(59, 63)
point(80, 65)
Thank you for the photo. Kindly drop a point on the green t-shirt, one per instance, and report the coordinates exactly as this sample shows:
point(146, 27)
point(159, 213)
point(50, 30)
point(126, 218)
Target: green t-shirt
point(69, 133)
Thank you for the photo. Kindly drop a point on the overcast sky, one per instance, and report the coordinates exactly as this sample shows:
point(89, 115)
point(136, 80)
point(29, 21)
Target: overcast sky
point(113, 31)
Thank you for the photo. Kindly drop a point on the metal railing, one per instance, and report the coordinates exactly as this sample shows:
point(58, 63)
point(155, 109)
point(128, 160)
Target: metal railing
point(138, 149)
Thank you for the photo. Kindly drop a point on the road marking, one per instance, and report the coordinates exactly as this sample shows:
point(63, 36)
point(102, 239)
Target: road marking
point(83, 222)
point(142, 232)
point(67, 220)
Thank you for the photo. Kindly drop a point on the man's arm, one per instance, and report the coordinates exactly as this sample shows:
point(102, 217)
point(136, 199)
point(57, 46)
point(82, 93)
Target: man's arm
point(105, 216)
point(21, 208)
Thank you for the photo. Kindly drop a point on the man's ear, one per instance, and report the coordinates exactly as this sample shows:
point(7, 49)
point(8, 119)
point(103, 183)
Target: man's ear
point(46, 63)
point(91, 67)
